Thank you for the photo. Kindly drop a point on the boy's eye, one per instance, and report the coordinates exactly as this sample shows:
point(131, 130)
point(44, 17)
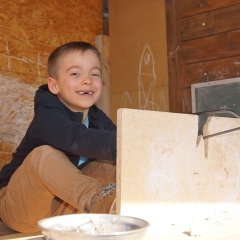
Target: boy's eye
point(75, 74)
point(96, 75)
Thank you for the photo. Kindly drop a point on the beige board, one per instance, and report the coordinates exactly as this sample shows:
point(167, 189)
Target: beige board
point(182, 184)
point(138, 55)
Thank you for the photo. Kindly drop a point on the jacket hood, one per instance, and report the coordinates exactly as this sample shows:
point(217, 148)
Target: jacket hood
point(45, 98)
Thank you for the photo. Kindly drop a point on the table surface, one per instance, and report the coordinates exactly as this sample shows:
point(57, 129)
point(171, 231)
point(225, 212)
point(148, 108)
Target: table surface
point(179, 221)
point(22, 236)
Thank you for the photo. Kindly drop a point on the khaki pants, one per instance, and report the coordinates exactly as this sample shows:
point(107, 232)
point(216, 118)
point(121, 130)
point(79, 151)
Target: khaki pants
point(48, 184)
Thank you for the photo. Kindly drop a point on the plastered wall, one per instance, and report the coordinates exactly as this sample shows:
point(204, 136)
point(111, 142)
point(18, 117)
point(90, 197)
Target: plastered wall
point(138, 55)
point(29, 31)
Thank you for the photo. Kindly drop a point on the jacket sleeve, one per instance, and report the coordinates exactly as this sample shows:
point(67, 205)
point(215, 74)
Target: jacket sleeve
point(55, 128)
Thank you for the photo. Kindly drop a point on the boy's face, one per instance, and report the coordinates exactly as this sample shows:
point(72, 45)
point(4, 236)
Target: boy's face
point(79, 81)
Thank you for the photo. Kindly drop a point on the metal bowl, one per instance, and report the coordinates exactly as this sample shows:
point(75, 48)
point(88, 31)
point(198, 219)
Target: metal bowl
point(93, 226)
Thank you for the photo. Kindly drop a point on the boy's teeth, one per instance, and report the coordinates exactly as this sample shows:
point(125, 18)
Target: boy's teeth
point(83, 93)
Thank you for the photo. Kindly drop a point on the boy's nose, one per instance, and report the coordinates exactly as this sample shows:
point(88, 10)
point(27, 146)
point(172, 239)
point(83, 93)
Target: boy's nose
point(87, 80)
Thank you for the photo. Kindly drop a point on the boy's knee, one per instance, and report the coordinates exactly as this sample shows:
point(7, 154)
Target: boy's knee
point(39, 157)
point(46, 151)
point(43, 148)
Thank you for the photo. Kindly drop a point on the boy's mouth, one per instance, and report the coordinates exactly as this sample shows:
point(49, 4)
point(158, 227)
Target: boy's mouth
point(85, 93)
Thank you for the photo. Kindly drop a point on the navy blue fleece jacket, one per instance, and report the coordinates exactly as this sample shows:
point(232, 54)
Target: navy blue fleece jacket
point(56, 125)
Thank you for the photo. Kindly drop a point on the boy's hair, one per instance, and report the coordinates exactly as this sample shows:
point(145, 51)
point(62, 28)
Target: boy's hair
point(66, 48)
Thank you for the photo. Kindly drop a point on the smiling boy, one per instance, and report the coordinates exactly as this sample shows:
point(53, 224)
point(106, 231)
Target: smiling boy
point(57, 168)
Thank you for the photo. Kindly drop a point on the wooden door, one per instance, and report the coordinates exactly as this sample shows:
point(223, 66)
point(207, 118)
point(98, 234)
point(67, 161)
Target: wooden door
point(203, 41)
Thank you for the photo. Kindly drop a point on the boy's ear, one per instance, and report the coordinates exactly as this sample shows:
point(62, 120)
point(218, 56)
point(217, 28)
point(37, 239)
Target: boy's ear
point(52, 85)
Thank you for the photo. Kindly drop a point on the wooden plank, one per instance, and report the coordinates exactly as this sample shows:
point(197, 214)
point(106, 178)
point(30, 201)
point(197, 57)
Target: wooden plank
point(209, 71)
point(102, 43)
point(186, 99)
point(195, 27)
point(31, 29)
point(209, 58)
point(213, 47)
point(173, 56)
point(221, 20)
point(192, 7)
point(142, 55)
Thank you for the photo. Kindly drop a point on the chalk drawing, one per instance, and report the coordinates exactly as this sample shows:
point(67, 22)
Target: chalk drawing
point(8, 57)
point(38, 67)
point(24, 60)
point(126, 100)
point(146, 78)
